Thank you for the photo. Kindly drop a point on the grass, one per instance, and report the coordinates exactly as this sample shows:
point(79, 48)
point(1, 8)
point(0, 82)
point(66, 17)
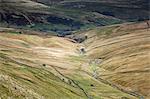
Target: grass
point(47, 83)
point(105, 31)
point(50, 27)
point(96, 89)
point(76, 15)
point(22, 74)
point(25, 77)
point(124, 55)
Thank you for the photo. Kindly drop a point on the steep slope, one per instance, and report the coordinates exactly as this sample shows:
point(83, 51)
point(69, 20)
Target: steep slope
point(124, 54)
point(48, 68)
point(122, 9)
point(67, 16)
point(37, 16)
point(19, 12)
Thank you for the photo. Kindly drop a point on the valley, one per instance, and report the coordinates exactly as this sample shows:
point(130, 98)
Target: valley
point(74, 49)
point(43, 67)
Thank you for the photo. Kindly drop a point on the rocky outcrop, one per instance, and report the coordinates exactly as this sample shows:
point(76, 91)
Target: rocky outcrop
point(78, 38)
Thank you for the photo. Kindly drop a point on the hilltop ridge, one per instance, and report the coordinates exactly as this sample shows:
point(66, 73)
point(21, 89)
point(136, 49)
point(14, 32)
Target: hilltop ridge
point(66, 16)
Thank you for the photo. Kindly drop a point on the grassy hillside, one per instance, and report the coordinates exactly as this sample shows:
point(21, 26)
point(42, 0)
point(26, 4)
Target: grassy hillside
point(109, 62)
point(124, 51)
point(122, 9)
point(40, 17)
point(67, 16)
point(49, 68)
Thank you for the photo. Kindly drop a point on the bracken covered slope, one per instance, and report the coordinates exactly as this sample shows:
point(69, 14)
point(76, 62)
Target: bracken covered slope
point(38, 16)
point(67, 16)
point(122, 9)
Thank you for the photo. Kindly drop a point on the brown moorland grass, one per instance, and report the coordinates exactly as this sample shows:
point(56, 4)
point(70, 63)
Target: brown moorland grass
point(48, 68)
point(125, 54)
